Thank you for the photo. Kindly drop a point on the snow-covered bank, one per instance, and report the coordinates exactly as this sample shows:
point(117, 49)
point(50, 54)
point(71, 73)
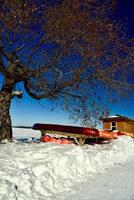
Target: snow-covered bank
point(48, 171)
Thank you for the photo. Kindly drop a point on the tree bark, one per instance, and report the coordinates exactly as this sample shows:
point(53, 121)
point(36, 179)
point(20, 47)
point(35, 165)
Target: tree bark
point(5, 102)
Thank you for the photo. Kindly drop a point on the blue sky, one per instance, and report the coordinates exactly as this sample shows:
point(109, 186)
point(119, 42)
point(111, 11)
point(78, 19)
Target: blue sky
point(27, 111)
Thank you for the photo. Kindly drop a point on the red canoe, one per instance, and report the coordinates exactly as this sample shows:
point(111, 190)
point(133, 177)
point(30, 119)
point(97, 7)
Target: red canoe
point(70, 129)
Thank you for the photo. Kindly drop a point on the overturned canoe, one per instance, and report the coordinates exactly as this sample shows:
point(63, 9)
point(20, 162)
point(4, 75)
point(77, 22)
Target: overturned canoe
point(67, 129)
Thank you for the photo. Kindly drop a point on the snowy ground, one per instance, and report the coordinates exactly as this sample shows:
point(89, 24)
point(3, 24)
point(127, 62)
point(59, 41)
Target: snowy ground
point(116, 184)
point(46, 171)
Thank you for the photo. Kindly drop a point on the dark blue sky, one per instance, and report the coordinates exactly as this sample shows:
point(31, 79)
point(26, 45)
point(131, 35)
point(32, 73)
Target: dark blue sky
point(125, 13)
point(27, 111)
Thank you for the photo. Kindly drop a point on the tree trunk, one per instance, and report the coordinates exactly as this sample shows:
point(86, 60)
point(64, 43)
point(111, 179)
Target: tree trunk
point(5, 102)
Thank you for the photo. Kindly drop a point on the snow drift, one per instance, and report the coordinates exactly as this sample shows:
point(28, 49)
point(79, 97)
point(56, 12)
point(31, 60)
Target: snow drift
point(47, 170)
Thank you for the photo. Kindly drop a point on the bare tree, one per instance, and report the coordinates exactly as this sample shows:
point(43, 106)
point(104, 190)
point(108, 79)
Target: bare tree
point(69, 52)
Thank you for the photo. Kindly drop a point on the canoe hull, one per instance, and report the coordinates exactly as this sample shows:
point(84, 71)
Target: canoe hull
point(70, 129)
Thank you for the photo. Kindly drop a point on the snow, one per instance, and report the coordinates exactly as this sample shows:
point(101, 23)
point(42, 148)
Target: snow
point(113, 116)
point(48, 171)
point(117, 183)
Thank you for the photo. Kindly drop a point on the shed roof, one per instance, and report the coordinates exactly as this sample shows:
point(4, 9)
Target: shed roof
point(117, 118)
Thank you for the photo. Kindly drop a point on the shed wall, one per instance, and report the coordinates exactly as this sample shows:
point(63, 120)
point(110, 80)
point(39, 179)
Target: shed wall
point(107, 125)
point(121, 126)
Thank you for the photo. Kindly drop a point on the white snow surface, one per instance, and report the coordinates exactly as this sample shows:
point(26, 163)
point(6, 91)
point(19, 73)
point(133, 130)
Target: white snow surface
point(48, 171)
point(25, 133)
